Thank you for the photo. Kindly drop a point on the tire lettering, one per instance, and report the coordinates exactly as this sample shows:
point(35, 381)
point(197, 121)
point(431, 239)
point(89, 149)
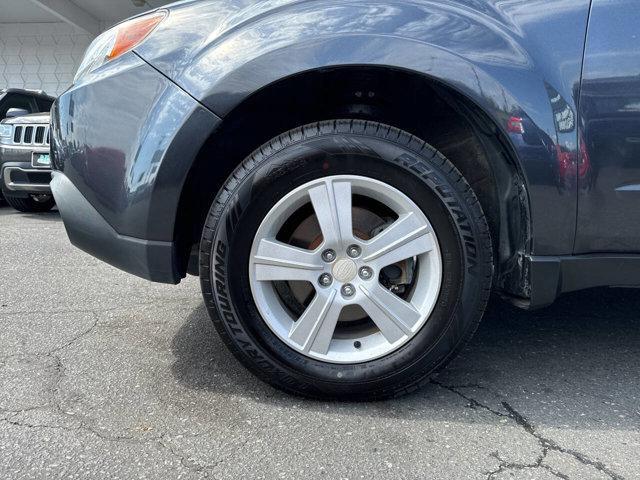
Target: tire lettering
point(224, 303)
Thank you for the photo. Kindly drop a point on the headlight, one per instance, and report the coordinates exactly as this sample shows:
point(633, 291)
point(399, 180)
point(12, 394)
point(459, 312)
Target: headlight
point(6, 131)
point(118, 40)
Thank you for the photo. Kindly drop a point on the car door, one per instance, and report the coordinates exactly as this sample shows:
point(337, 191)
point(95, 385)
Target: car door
point(609, 165)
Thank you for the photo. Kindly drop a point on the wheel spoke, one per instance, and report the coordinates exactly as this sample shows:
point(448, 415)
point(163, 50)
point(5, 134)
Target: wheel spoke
point(332, 204)
point(278, 261)
point(405, 238)
point(392, 315)
point(314, 330)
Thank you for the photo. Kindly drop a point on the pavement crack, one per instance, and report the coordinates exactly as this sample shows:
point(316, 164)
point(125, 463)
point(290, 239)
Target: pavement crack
point(505, 466)
point(82, 427)
point(555, 472)
point(52, 353)
point(519, 419)
point(191, 464)
point(473, 403)
point(184, 461)
point(78, 337)
point(12, 412)
point(545, 443)
point(549, 444)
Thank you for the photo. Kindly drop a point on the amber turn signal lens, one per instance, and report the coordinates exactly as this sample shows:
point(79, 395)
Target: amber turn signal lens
point(133, 32)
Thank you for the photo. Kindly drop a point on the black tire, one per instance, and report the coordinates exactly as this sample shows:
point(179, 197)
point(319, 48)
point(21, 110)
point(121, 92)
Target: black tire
point(334, 148)
point(30, 205)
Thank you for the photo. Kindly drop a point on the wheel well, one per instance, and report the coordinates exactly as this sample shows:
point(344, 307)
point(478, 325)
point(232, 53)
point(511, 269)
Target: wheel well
point(406, 100)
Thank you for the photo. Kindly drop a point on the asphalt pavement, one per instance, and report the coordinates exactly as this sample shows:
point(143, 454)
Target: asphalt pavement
point(106, 376)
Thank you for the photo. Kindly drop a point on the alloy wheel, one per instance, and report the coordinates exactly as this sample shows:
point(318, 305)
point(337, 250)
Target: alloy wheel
point(351, 294)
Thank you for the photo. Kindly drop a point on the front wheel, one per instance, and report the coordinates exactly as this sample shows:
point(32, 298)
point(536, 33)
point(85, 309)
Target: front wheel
point(346, 259)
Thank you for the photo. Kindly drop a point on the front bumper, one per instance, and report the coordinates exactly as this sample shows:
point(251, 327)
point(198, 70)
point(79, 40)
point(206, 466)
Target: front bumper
point(18, 178)
point(124, 140)
point(89, 231)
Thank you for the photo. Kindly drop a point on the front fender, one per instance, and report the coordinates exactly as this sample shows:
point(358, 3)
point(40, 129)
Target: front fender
point(514, 60)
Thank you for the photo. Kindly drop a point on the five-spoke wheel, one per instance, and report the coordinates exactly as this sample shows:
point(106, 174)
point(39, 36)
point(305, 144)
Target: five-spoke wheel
point(344, 270)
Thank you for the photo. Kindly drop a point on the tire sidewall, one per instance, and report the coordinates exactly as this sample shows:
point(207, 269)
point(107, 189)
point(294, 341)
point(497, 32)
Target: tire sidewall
point(29, 205)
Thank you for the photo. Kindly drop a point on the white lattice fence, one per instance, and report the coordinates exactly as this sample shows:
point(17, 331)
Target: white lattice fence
point(40, 55)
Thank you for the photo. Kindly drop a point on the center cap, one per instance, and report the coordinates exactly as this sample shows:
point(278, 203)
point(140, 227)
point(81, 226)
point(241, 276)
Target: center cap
point(345, 270)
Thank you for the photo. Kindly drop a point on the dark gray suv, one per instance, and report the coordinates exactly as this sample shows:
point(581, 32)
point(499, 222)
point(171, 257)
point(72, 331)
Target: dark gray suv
point(351, 180)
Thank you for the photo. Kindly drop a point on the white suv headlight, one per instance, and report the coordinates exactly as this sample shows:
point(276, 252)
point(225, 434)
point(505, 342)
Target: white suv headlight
point(6, 130)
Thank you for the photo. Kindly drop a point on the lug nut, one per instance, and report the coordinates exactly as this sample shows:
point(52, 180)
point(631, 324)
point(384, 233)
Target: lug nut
point(348, 290)
point(365, 273)
point(325, 280)
point(329, 255)
point(354, 251)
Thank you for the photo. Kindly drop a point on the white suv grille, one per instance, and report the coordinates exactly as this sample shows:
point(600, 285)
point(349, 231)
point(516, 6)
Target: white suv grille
point(31, 135)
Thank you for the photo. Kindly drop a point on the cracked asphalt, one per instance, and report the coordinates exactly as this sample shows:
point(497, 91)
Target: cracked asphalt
point(103, 375)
